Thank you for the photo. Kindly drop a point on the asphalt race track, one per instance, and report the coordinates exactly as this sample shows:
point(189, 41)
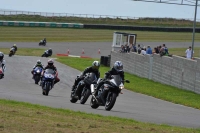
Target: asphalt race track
point(91, 49)
point(18, 85)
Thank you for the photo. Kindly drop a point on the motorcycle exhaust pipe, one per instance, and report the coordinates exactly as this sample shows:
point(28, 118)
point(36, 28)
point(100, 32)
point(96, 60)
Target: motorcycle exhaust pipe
point(92, 88)
point(92, 91)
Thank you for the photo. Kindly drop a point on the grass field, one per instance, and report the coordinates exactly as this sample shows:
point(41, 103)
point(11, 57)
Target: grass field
point(18, 117)
point(164, 22)
point(30, 34)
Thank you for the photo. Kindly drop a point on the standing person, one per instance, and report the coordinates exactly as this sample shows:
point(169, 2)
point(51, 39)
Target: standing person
point(143, 52)
point(2, 63)
point(139, 49)
point(149, 50)
point(189, 52)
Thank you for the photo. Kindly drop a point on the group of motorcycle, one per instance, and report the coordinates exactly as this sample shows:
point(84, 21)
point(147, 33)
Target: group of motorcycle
point(90, 85)
point(48, 79)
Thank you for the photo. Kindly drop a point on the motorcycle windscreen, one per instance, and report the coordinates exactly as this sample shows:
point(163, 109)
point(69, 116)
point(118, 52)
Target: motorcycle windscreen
point(90, 78)
point(49, 71)
point(117, 79)
point(38, 68)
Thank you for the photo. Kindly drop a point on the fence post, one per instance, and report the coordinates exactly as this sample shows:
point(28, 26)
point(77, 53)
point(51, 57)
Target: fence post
point(150, 67)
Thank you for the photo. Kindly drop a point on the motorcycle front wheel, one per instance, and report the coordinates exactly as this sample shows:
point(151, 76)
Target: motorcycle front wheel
point(84, 95)
point(110, 101)
point(37, 79)
point(93, 103)
point(72, 99)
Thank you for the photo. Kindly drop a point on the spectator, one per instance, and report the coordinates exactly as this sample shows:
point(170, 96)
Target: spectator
point(126, 48)
point(122, 49)
point(143, 52)
point(149, 50)
point(134, 48)
point(157, 50)
point(189, 53)
point(166, 50)
point(130, 47)
point(139, 49)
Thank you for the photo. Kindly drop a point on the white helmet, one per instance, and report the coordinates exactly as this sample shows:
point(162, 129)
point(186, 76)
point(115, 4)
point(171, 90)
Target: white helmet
point(118, 66)
point(95, 65)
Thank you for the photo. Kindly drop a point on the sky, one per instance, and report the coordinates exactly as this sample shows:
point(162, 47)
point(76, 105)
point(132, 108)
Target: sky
point(103, 7)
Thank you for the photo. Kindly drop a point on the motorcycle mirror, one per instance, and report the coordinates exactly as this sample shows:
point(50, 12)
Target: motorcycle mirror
point(127, 81)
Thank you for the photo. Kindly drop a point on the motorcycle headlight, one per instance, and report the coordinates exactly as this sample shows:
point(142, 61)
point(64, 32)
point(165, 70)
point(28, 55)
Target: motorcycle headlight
point(121, 87)
point(38, 71)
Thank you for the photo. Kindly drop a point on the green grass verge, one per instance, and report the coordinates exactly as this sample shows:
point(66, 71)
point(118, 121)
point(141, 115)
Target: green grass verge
point(31, 34)
point(142, 85)
point(24, 117)
point(181, 51)
point(164, 22)
point(25, 51)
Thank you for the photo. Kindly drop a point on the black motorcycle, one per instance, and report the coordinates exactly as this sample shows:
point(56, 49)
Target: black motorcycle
point(114, 87)
point(46, 54)
point(12, 52)
point(83, 91)
point(42, 43)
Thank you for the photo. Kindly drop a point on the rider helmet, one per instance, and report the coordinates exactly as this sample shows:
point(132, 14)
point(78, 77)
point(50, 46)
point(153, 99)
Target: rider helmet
point(1, 56)
point(50, 62)
point(39, 62)
point(118, 66)
point(14, 45)
point(95, 65)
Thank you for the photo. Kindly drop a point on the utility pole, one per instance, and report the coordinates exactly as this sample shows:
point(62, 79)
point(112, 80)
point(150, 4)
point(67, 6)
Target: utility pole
point(194, 27)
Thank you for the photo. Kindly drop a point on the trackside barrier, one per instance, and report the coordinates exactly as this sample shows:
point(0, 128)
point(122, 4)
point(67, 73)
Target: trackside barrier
point(40, 24)
point(175, 71)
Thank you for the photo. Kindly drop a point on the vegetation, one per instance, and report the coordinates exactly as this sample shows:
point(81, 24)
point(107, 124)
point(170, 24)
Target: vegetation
point(30, 34)
point(164, 22)
point(24, 117)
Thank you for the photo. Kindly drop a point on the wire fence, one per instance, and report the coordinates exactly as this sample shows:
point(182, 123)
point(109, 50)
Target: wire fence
point(173, 21)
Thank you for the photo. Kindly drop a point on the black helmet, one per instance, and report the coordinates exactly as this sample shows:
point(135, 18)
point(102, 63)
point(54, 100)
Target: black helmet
point(1, 56)
point(50, 62)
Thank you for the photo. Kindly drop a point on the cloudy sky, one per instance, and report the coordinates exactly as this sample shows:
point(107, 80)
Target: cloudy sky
point(103, 7)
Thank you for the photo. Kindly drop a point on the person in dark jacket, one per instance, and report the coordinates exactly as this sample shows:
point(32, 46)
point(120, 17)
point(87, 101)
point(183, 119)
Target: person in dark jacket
point(2, 63)
point(117, 69)
point(15, 47)
point(38, 64)
point(94, 68)
point(44, 41)
point(50, 65)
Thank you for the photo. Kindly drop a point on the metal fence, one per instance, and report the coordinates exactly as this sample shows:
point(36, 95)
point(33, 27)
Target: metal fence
point(48, 14)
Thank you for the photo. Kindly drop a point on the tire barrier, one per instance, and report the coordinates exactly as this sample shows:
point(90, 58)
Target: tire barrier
point(40, 24)
point(105, 60)
point(140, 28)
point(97, 26)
